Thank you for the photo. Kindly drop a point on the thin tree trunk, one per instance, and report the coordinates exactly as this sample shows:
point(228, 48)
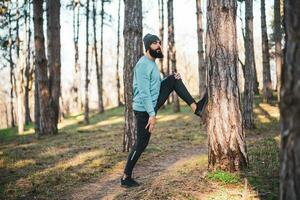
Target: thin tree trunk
point(290, 105)
point(249, 67)
point(133, 29)
point(161, 32)
point(20, 75)
point(37, 115)
point(77, 76)
point(118, 55)
point(47, 123)
point(101, 107)
point(11, 64)
point(277, 37)
point(86, 103)
point(226, 139)
point(267, 84)
point(54, 63)
point(172, 51)
point(28, 75)
point(201, 61)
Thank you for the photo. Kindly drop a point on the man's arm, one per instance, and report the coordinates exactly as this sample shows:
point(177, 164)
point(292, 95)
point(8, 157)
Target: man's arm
point(143, 81)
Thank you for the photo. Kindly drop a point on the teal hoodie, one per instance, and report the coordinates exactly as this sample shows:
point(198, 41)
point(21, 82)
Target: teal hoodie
point(146, 85)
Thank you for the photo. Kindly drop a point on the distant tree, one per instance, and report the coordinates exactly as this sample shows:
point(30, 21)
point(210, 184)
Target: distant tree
point(118, 55)
point(172, 51)
point(267, 83)
point(277, 38)
point(87, 81)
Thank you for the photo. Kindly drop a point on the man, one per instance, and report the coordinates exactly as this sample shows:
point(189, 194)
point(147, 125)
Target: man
point(150, 93)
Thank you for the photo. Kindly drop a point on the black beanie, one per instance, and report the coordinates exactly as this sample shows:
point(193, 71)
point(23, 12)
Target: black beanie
point(149, 39)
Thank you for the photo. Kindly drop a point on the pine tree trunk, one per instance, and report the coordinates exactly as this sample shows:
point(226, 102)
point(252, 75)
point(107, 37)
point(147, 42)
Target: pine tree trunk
point(161, 32)
point(77, 75)
point(11, 64)
point(36, 105)
point(201, 61)
point(226, 139)
point(172, 51)
point(267, 84)
point(249, 67)
point(118, 55)
point(28, 74)
point(278, 51)
point(133, 29)
point(20, 76)
point(86, 103)
point(96, 57)
point(100, 106)
point(47, 122)
point(54, 63)
point(290, 105)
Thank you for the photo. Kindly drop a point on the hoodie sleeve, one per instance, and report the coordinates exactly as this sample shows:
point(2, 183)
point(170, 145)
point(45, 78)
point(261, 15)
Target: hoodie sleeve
point(143, 74)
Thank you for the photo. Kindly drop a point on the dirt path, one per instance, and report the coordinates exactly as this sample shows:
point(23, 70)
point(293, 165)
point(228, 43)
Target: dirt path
point(145, 172)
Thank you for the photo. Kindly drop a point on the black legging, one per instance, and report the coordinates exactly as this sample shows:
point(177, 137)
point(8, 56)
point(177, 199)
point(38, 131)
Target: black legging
point(143, 135)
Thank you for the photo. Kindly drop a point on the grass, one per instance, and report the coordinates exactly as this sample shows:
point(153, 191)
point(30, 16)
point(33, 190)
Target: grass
point(56, 167)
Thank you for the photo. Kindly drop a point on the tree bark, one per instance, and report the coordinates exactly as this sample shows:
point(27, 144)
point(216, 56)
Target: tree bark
point(249, 66)
point(100, 103)
point(161, 32)
point(77, 75)
point(86, 103)
point(20, 76)
point(118, 55)
point(47, 123)
point(11, 64)
point(278, 51)
point(28, 72)
point(226, 139)
point(54, 62)
point(133, 29)
point(201, 61)
point(290, 105)
point(267, 83)
point(172, 51)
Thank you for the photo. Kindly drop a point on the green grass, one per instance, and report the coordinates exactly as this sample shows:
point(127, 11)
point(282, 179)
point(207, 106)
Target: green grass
point(223, 176)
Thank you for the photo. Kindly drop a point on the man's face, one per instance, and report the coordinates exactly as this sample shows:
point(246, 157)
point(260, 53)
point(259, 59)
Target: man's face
point(155, 50)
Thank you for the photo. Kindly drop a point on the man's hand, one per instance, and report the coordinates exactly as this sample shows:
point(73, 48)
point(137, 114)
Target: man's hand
point(151, 123)
point(177, 75)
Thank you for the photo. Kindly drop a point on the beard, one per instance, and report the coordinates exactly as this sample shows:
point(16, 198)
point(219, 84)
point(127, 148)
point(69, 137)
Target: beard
point(157, 53)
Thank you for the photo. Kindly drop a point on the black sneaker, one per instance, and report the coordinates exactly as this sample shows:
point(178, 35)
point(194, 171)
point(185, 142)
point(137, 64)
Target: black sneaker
point(129, 182)
point(201, 105)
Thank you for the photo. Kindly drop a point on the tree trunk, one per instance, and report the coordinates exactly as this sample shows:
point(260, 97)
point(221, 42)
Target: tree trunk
point(20, 76)
point(290, 105)
point(86, 103)
point(37, 111)
point(77, 75)
point(226, 139)
point(28, 72)
point(133, 29)
point(118, 55)
point(201, 61)
point(161, 32)
point(100, 106)
point(277, 37)
point(54, 63)
point(47, 123)
point(172, 51)
point(249, 67)
point(11, 64)
point(267, 84)
point(96, 57)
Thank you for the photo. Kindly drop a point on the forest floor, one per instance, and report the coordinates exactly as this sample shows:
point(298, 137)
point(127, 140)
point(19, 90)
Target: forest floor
point(86, 161)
